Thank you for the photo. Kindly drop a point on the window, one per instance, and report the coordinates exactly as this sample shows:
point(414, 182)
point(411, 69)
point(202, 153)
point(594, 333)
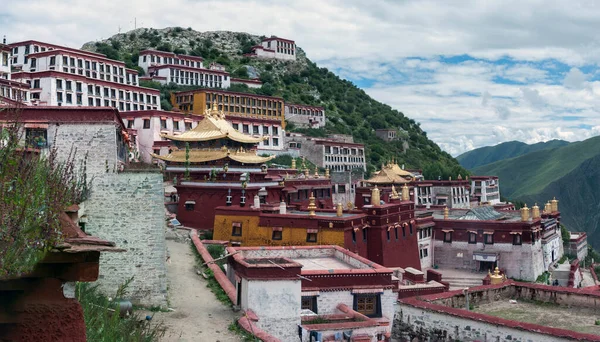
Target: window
point(163, 124)
point(364, 234)
point(396, 232)
point(275, 130)
point(236, 229)
point(52, 60)
point(78, 86)
point(69, 98)
point(79, 99)
point(368, 304)
point(517, 239)
point(311, 237)
point(245, 129)
point(255, 129)
point(275, 141)
point(277, 235)
point(36, 84)
point(33, 62)
point(447, 236)
point(36, 137)
point(68, 83)
point(488, 239)
point(176, 125)
point(309, 303)
point(189, 205)
point(388, 234)
point(472, 237)
point(130, 123)
point(59, 97)
point(188, 125)
point(59, 84)
point(353, 236)
point(146, 123)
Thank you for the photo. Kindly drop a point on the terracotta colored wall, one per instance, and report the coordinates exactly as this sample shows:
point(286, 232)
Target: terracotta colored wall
point(40, 312)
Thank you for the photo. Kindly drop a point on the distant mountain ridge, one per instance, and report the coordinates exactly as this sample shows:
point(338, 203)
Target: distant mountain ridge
point(571, 173)
point(510, 149)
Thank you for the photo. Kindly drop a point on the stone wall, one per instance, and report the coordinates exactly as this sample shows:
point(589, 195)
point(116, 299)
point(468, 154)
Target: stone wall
point(128, 208)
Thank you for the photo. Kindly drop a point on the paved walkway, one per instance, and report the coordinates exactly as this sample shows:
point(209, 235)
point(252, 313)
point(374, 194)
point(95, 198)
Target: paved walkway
point(198, 315)
point(459, 279)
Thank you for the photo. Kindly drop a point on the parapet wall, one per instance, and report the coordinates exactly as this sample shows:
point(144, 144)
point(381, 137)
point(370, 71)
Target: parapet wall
point(128, 208)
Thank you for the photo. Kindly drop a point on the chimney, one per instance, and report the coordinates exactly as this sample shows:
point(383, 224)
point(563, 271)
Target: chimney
point(282, 208)
point(256, 202)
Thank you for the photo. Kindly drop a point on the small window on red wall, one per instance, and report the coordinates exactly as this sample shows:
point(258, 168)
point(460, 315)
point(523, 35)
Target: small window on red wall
point(517, 239)
point(277, 235)
point(236, 229)
point(472, 238)
point(447, 236)
point(489, 239)
point(311, 237)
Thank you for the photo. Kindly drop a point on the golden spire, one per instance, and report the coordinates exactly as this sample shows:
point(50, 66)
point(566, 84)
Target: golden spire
point(525, 213)
point(311, 205)
point(327, 172)
point(547, 208)
point(496, 278)
point(375, 197)
point(306, 172)
point(554, 205)
point(446, 212)
point(405, 194)
point(340, 210)
point(535, 212)
point(293, 163)
point(316, 172)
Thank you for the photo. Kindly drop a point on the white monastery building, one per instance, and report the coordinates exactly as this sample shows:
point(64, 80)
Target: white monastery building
point(305, 116)
point(167, 67)
point(275, 47)
point(61, 76)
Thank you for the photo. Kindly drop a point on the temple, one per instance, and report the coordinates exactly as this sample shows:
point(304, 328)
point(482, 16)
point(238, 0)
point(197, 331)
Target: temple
point(214, 165)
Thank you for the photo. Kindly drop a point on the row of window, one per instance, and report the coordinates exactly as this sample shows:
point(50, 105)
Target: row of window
point(423, 253)
point(367, 304)
point(425, 233)
point(103, 91)
point(343, 150)
point(163, 124)
point(122, 106)
point(294, 110)
point(488, 239)
point(171, 60)
point(236, 230)
point(338, 167)
point(340, 159)
point(255, 129)
point(388, 233)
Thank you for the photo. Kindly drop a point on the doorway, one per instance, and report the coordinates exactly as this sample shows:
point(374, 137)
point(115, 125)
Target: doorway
point(485, 266)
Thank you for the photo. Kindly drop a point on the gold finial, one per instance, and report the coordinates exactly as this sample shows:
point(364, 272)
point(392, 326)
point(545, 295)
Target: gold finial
point(554, 205)
point(316, 172)
point(496, 278)
point(214, 106)
point(547, 208)
point(375, 197)
point(303, 162)
point(535, 212)
point(293, 163)
point(350, 205)
point(525, 213)
point(394, 193)
point(459, 177)
point(405, 194)
point(340, 210)
point(446, 213)
point(327, 172)
point(306, 172)
point(311, 205)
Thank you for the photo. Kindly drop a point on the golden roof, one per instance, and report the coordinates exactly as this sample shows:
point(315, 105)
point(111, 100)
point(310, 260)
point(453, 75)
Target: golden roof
point(213, 127)
point(206, 155)
point(391, 174)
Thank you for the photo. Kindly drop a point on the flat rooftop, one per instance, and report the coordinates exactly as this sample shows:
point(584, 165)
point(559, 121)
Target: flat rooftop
point(322, 263)
point(486, 213)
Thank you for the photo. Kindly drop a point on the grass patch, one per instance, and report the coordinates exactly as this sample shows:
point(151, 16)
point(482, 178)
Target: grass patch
point(211, 281)
point(104, 324)
point(243, 334)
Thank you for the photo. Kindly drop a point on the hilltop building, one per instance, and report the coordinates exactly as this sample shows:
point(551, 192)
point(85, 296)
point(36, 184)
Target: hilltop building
point(274, 47)
point(577, 245)
point(261, 116)
point(305, 116)
point(185, 70)
point(5, 62)
point(62, 76)
point(337, 153)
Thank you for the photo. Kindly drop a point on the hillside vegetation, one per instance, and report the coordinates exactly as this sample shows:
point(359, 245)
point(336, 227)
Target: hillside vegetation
point(531, 173)
point(510, 149)
point(348, 109)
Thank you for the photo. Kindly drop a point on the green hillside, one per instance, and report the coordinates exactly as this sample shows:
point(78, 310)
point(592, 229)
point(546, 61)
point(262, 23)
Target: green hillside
point(510, 149)
point(348, 109)
point(579, 199)
point(529, 174)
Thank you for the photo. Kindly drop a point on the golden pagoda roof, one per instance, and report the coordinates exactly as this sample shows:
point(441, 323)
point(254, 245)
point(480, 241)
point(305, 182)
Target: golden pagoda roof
point(213, 127)
point(388, 176)
point(206, 155)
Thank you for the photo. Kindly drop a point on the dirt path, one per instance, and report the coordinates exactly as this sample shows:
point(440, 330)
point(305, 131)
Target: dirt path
point(198, 315)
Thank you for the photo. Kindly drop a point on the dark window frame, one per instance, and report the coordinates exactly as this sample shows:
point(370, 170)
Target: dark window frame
point(376, 312)
point(472, 238)
point(277, 235)
point(311, 237)
point(236, 229)
point(448, 237)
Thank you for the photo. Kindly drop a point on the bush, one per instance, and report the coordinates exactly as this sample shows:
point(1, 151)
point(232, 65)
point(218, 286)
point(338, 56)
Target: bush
point(103, 321)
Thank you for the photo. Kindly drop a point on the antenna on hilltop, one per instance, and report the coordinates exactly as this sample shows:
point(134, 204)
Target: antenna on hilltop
point(119, 28)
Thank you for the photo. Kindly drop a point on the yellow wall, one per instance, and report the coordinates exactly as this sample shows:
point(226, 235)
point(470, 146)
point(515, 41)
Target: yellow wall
point(253, 235)
point(199, 103)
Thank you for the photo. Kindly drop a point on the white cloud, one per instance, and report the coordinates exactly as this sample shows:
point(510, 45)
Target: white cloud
point(532, 96)
point(575, 79)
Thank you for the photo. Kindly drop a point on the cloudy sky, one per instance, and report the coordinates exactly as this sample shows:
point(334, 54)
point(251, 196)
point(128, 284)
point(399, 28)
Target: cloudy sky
point(474, 73)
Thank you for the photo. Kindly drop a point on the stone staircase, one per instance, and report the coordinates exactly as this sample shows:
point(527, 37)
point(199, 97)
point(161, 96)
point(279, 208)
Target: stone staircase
point(459, 282)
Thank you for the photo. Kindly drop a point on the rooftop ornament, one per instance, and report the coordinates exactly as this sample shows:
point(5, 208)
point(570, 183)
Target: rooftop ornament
point(535, 212)
point(496, 278)
point(446, 212)
point(311, 205)
point(525, 213)
point(405, 195)
point(375, 197)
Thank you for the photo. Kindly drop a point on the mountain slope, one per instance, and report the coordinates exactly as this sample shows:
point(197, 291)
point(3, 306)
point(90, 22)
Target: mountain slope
point(348, 109)
point(529, 174)
point(579, 199)
point(510, 149)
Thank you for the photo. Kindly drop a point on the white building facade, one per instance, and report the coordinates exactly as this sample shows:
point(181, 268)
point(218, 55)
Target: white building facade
point(305, 116)
point(167, 67)
point(275, 47)
point(486, 189)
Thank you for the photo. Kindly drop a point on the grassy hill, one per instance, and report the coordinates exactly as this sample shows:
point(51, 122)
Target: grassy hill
point(348, 109)
point(579, 198)
point(510, 149)
point(529, 174)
